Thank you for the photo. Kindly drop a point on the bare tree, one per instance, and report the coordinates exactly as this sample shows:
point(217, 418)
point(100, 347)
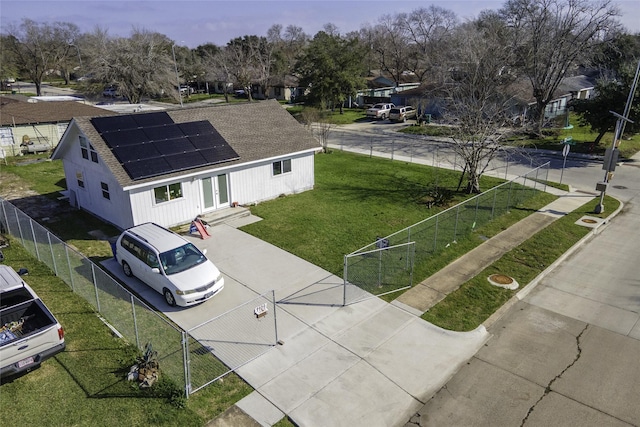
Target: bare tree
point(428, 30)
point(319, 124)
point(140, 65)
point(477, 98)
point(40, 48)
point(390, 43)
point(550, 36)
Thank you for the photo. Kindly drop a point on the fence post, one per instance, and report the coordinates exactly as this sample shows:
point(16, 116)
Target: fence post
point(344, 280)
point(475, 218)
point(35, 242)
point(66, 252)
point(509, 196)
point(435, 234)
point(53, 257)
point(455, 226)
point(493, 208)
point(6, 219)
point(275, 321)
point(135, 321)
point(95, 286)
point(19, 226)
point(186, 362)
point(379, 266)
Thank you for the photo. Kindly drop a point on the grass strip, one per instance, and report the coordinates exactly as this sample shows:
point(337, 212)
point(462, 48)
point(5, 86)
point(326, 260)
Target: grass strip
point(471, 304)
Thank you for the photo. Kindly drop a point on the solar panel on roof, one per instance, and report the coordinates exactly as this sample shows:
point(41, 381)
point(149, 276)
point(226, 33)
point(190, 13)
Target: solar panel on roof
point(185, 161)
point(207, 141)
point(136, 152)
point(152, 119)
point(113, 123)
point(159, 133)
point(214, 156)
point(146, 168)
point(151, 144)
point(196, 128)
point(124, 138)
point(174, 146)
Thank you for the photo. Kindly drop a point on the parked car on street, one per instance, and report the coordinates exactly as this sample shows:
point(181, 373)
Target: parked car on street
point(110, 92)
point(168, 263)
point(402, 114)
point(379, 111)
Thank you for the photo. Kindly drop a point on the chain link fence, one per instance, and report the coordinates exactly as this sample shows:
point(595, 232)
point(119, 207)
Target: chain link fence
point(386, 265)
point(193, 358)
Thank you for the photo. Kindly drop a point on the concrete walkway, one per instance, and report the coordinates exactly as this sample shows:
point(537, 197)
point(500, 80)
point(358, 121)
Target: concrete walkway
point(435, 288)
point(370, 363)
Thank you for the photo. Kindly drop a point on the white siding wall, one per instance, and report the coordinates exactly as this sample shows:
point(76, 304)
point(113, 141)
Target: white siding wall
point(168, 214)
point(115, 210)
point(257, 183)
point(248, 184)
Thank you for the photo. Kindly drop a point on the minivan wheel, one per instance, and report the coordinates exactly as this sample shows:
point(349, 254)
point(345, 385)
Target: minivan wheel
point(383, 117)
point(168, 296)
point(126, 269)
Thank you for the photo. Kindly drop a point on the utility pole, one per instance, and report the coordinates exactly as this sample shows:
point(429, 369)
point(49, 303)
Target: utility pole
point(612, 154)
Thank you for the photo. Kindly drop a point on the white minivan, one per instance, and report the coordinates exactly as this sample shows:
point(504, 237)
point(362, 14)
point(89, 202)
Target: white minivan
point(168, 263)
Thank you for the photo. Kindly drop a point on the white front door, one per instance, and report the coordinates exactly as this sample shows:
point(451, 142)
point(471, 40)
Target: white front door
point(215, 192)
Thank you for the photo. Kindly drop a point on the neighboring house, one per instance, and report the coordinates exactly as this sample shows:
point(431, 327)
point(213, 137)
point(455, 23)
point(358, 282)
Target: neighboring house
point(286, 89)
point(41, 122)
point(169, 167)
point(576, 87)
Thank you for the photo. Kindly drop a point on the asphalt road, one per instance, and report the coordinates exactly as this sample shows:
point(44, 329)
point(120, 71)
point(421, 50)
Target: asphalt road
point(567, 354)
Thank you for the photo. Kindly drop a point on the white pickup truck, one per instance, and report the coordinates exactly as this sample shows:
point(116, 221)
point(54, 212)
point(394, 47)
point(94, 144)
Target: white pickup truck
point(379, 111)
point(29, 333)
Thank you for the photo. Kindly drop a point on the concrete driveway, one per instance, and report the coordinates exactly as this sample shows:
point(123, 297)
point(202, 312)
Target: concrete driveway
point(369, 363)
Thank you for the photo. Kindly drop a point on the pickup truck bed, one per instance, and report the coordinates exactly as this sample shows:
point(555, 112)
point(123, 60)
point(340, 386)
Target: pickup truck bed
point(23, 319)
point(29, 333)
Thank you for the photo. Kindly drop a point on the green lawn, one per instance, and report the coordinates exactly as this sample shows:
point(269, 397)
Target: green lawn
point(356, 198)
point(85, 385)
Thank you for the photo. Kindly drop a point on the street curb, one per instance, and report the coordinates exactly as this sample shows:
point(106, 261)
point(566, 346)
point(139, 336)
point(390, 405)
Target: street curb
point(531, 285)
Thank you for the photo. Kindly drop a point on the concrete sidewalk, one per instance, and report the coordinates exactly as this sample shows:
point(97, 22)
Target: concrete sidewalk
point(369, 363)
point(435, 288)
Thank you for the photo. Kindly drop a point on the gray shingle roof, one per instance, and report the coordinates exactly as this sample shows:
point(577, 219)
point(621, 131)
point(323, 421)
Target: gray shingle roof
point(26, 113)
point(255, 130)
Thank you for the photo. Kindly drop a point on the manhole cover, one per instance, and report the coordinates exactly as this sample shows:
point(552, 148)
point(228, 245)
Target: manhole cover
point(503, 281)
point(589, 221)
point(620, 187)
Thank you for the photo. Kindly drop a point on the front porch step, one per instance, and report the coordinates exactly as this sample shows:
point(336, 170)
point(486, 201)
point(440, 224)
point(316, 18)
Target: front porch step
point(217, 217)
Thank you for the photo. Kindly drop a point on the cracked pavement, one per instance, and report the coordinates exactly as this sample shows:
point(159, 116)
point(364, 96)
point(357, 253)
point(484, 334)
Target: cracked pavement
point(539, 369)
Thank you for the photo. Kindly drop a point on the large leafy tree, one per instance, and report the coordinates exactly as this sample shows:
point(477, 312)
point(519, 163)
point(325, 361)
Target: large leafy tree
point(618, 62)
point(39, 48)
point(331, 68)
point(549, 37)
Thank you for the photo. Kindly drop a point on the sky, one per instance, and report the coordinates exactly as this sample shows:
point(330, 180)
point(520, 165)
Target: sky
point(192, 23)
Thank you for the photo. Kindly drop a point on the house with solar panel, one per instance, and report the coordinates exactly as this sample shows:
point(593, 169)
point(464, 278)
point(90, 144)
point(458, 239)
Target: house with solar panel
point(168, 167)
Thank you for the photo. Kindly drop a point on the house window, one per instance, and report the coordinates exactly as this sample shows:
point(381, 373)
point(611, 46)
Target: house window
point(105, 190)
point(168, 192)
point(281, 166)
point(87, 150)
point(80, 179)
